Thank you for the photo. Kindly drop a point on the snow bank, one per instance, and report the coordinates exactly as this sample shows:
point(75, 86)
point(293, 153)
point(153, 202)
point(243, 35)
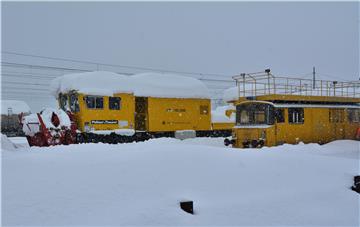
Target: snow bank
point(168, 85)
point(219, 114)
point(16, 106)
point(144, 84)
point(6, 144)
point(143, 183)
point(96, 83)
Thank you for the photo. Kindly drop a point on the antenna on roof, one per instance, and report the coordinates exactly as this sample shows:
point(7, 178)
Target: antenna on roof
point(314, 77)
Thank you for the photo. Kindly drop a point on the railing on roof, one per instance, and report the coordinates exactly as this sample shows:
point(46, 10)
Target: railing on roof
point(265, 83)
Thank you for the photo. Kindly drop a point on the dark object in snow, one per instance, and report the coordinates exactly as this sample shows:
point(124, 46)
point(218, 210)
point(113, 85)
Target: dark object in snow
point(356, 186)
point(187, 206)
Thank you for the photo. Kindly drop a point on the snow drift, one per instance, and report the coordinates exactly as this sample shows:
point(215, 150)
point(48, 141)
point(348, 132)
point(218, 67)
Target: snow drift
point(143, 183)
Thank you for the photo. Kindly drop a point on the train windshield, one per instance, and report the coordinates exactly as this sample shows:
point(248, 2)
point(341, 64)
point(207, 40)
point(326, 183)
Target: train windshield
point(254, 114)
point(63, 101)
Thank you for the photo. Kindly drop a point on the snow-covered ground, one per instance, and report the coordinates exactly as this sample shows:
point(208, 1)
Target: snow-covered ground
point(143, 183)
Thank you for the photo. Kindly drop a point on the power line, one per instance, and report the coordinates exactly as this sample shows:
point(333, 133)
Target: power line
point(111, 65)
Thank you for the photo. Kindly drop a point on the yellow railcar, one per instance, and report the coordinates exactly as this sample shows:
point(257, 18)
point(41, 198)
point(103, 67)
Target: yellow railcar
point(291, 111)
point(143, 110)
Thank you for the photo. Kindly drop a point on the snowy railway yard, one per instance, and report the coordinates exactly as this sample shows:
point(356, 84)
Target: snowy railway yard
point(143, 183)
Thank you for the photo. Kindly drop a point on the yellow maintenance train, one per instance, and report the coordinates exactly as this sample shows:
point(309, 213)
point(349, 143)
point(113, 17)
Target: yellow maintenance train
point(276, 110)
point(115, 108)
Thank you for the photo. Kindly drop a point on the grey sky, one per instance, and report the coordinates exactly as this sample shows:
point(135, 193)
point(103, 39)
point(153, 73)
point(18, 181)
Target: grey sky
point(223, 38)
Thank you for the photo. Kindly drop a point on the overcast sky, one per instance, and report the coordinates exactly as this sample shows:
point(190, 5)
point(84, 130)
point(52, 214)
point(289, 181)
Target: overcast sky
point(223, 38)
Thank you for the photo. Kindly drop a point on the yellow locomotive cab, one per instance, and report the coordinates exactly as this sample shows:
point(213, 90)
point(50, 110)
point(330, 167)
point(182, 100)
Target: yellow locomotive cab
point(97, 113)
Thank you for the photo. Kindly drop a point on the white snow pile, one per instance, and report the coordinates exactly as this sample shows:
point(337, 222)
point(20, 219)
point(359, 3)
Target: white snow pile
point(143, 183)
point(219, 114)
point(6, 144)
point(168, 86)
point(144, 84)
point(95, 83)
point(231, 94)
point(16, 107)
point(31, 124)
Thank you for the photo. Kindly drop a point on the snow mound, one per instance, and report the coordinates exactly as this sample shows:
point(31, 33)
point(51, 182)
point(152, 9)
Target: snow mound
point(168, 86)
point(96, 83)
point(144, 84)
point(219, 114)
point(142, 184)
point(16, 106)
point(6, 144)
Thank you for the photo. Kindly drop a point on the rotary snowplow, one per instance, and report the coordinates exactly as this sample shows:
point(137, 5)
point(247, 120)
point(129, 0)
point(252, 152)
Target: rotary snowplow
point(49, 127)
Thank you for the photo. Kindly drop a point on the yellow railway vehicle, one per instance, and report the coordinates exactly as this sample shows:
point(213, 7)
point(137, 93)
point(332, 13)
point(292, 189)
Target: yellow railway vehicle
point(276, 110)
point(114, 108)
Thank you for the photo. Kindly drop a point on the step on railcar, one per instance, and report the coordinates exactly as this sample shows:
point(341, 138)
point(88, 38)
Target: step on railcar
point(276, 110)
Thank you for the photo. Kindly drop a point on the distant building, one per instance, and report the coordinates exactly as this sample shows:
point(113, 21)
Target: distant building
point(10, 110)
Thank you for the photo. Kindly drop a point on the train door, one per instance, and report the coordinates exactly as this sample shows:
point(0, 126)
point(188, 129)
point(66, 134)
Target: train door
point(280, 126)
point(337, 120)
point(141, 113)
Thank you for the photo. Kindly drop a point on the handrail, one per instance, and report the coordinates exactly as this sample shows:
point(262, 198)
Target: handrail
point(262, 83)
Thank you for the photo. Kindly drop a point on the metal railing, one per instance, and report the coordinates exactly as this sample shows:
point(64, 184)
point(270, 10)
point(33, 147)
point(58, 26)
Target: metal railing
point(265, 83)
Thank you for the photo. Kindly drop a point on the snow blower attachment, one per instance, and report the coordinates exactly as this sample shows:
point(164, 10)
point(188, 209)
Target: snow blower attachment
point(49, 127)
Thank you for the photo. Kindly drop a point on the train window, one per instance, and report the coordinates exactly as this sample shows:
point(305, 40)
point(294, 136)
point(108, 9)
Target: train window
point(336, 115)
point(296, 115)
point(279, 115)
point(63, 100)
point(74, 103)
point(244, 117)
point(353, 115)
point(204, 110)
point(94, 102)
point(114, 103)
point(254, 113)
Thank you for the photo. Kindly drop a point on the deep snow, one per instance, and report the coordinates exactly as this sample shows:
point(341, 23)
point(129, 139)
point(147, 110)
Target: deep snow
point(142, 184)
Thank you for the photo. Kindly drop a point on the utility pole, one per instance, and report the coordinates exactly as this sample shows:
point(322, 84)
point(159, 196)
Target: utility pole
point(314, 77)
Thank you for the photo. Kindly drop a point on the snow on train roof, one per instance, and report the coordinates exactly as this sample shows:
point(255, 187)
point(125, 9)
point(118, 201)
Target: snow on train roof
point(144, 84)
point(168, 85)
point(95, 83)
point(16, 106)
point(231, 94)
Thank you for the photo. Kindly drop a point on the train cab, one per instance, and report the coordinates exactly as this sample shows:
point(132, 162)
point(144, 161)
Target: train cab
point(288, 110)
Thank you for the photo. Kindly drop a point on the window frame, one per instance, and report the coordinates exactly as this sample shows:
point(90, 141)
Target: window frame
point(351, 115)
point(276, 115)
point(253, 109)
point(111, 102)
point(95, 101)
point(300, 116)
point(74, 107)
